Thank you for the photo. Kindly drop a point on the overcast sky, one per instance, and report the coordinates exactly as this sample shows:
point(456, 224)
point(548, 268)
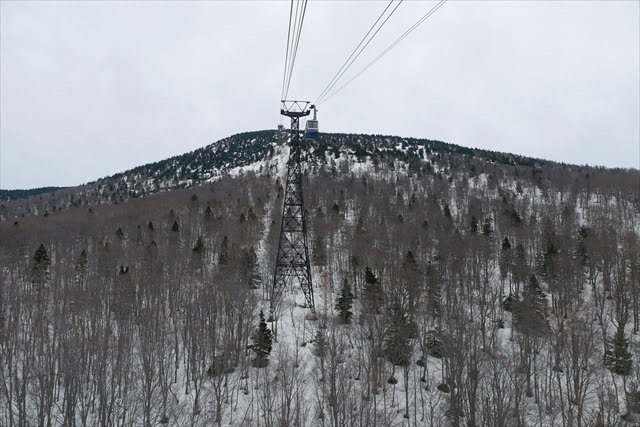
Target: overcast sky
point(89, 89)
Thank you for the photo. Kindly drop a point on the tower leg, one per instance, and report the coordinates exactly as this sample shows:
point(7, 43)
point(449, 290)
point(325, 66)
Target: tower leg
point(292, 262)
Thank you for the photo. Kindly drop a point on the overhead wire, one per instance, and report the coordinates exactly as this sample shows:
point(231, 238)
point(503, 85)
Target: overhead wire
point(294, 30)
point(335, 77)
point(391, 46)
point(297, 32)
point(286, 58)
point(291, 36)
point(342, 69)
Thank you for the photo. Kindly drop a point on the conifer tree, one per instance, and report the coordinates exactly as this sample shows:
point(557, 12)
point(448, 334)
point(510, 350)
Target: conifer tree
point(319, 252)
point(531, 313)
point(81, 265)
point(320, 340)
point(262, 341)
point(208, 213)
point(251, 215)
point(505, 259)
point(397, 343)
point(473, 227)
point(344, 302)
point(41, 256)
point(175, 227)
point(372, 290)
point(410, 262)
point(447, 211)
point(199, 246)
point(223, 256)
point(505, 244)
point(617, 356)
point(487, 228)
point(41, 265)
point(434, 296)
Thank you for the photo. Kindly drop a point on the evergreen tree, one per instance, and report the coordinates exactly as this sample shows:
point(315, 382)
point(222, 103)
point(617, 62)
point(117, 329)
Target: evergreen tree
point(223, 256)
point(516, 219)
point(487, 228)
point(434, 296)
point(320, 340)
point(199, 246)
point(531, 312)
point(40, 273)
point(175, 227)
point(447, 211)
point(81, 265)
point(81, 262)
point(473, 227)
point(520, 265)
point(505, 259)
point(250, 269)
point(250, 215)
point(505, 244)
point(397, 342)
point(150, 226)
point(410, 262)
point(119, 233)
point(616, 355)
point(262, 341)
point(372, 290)
point(41, 256)
point(581, 251)
point(319, 252)
point(344, 302)
point(208, 213)
point(434, 343)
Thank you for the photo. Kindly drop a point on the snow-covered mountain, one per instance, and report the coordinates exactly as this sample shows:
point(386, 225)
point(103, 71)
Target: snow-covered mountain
point(252, 151)
point(453, 286)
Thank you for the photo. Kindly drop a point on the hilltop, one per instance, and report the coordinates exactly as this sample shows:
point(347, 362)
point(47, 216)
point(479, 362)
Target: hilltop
point(487, 289)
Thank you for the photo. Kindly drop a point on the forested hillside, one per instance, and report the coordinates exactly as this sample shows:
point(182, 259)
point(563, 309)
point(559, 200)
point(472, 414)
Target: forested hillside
point(6, 195)
point(453, 287)
point(251, 149)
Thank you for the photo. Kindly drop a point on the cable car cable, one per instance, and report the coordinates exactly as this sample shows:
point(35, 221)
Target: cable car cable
point(406, 33)
point(361, 50)
point(293, 32)
point(286, 58)
point(295, 48)
point(335, 77)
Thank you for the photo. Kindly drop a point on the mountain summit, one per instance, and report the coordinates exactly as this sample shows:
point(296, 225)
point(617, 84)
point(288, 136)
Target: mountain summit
point(256, 152)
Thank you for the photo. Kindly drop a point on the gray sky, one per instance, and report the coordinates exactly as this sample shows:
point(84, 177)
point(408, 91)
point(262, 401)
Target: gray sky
point(89, 89)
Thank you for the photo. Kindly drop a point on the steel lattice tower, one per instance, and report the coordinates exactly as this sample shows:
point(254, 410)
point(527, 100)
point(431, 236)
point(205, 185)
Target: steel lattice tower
point(292, 262)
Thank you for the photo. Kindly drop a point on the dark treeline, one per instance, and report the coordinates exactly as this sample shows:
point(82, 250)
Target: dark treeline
point(450, 290)
point(7, 195)
point(217, 159)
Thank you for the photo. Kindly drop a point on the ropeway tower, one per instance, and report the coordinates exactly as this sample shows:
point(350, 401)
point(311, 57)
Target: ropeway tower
point(292, 261)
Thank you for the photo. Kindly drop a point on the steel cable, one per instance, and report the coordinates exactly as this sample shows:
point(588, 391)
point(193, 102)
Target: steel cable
point(405, 34)
point(338, 74)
